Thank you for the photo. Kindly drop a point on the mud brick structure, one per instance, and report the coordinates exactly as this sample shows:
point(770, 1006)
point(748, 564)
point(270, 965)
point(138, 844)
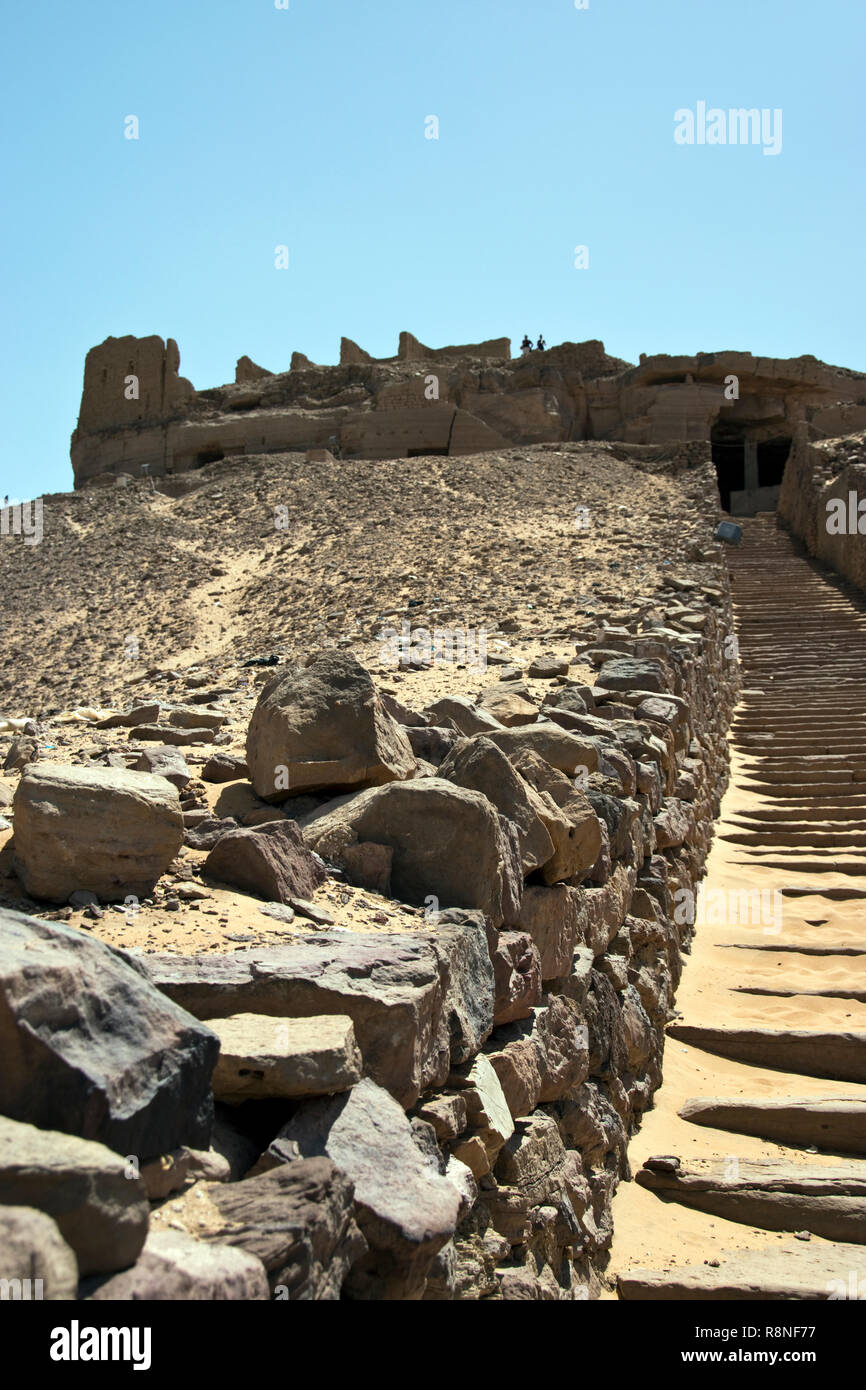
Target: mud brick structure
point(138, 415)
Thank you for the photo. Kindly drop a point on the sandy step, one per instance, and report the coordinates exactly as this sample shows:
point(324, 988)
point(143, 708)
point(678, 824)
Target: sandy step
point(797, 1270)
point(839, 1056)
point(774, 991)
point(776, 1196)
point(835, 1126)
point(807, 949)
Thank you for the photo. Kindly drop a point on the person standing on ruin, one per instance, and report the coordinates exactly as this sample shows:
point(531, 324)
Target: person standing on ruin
point(526, 345)
point(541, 344)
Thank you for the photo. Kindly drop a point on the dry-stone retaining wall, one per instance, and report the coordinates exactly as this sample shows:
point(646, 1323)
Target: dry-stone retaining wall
point(509, 1048)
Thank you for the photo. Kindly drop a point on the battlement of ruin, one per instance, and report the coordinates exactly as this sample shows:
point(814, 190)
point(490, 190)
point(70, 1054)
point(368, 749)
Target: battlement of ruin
point(140, 416)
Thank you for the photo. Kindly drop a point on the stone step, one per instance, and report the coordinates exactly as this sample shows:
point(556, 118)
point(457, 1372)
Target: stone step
point(794, 1271)
point(837, 1126)
point(795, 837)
point(775, 1195)
point(773, 991)
point(809, 949)
point(836, 1056)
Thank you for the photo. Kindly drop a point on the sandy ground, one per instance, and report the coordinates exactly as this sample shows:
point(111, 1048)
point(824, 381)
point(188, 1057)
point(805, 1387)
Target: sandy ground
point(222, 920)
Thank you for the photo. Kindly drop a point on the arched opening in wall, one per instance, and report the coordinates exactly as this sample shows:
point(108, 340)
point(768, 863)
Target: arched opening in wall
point(728, 446)
point(749, 470)
point(210, 455)
point(772, 457)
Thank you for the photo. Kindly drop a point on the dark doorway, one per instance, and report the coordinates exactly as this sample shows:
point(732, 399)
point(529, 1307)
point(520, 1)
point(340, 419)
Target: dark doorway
point(772, 457)
point(212, 455)
point(427, 453)
point(728, 451)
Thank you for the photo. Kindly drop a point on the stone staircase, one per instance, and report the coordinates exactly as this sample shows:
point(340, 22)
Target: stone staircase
point(774, 1009)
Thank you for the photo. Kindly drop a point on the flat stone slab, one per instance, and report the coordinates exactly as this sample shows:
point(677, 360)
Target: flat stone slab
point(837, 1056)
point(790, 1272)
point(404, 1208)
point(262, 1056)
point(777, 1196)
point(836, 1125)
point(419, 1003)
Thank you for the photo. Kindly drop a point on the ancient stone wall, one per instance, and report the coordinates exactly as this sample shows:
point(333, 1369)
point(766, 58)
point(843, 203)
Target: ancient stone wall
point(506, 1062)
point(823, 501)
point(131, 381)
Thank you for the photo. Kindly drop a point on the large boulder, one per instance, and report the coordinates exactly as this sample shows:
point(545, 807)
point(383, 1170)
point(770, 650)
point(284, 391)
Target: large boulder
point(37, 1262)
point(478, 764)
point(103, 829)
point(405, 1210)
point(174, 1267)
point(164, 762)
point(419, 1003)
point(323, 727)
point(630, 673)
point(449, 843)
point(568, 817)
point(535, 1163)
point(674, 824)
point(98, 1202)
point(551, 917)
point(563, 750)
point(270, 860)
point(91, 1047)
point(510, 703)
point(517, 974)
point(465, 716)
point(298, 1220)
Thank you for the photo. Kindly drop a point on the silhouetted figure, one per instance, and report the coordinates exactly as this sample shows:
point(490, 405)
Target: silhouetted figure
point(526, 345)
point(541, 344)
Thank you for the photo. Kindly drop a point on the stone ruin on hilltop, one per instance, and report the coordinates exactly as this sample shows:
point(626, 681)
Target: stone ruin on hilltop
point(138, 415)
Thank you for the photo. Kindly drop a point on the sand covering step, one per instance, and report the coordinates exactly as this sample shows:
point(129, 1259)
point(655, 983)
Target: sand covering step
point(839, 1056)
point(775, 1195)
point(835, 1125)
point(793, 1271)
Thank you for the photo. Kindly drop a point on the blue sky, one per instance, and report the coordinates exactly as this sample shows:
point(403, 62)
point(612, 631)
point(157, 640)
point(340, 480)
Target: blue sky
point(306, 127)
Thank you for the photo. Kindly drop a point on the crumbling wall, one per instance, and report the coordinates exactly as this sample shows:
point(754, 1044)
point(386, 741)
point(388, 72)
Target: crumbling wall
point(132, 388)
point(131, 381)
point(820, 501)
point(572, 391)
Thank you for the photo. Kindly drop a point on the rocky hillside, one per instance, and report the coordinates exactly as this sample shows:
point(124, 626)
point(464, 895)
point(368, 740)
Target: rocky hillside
point(277, 555)
point(397, 920)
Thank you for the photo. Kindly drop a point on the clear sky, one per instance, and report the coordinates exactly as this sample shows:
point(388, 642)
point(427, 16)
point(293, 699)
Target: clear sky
point(305, 127)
